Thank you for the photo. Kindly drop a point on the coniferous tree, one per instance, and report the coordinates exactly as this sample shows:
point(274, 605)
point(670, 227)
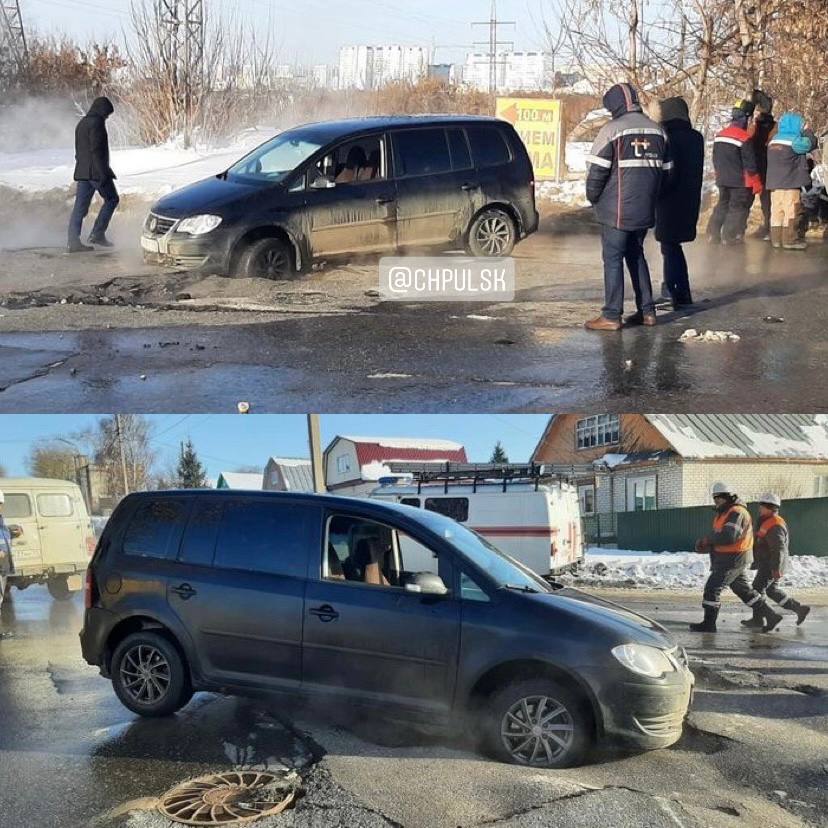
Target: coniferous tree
point(499, 454)
point(191, 474)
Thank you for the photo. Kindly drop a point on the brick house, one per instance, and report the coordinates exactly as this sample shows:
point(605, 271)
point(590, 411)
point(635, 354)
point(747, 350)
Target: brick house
point(661, 461)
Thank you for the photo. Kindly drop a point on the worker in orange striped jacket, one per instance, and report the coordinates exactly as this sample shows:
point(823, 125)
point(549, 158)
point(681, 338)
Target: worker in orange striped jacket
point(730, 546)
point(770, 558)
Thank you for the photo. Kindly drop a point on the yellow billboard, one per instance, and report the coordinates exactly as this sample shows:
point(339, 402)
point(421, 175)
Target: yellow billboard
point(539, 124)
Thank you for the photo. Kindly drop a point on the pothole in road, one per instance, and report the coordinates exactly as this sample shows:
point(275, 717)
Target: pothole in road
point(231, 798)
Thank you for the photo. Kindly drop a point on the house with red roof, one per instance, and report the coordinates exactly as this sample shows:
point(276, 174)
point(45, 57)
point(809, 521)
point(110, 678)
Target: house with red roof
point(353, 465)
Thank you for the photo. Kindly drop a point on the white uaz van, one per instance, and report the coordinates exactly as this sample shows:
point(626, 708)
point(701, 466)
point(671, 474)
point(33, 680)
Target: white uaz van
point(52, 535)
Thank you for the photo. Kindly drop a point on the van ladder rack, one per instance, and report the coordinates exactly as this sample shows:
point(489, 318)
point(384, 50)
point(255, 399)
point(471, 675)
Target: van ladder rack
point(488, 473)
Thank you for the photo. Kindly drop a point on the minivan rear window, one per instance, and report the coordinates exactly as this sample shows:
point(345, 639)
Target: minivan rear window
point(460, 157)
point(155, 528)
point(55, 505)
point(199, 541)
point(421, 152)
point(488, 146)
point(17, 506)
point(262, 536)
point(457, 508)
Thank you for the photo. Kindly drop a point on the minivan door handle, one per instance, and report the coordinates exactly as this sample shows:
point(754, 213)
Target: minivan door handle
point(385, 200)
point(184, 591)
point(469, 186)
point(325, 613)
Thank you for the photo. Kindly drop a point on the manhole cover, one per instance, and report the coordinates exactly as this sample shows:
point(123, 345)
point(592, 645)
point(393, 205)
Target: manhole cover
point(229, 798)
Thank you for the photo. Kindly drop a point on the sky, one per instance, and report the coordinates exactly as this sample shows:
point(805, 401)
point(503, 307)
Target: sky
point(225, 442)
point(311, 31)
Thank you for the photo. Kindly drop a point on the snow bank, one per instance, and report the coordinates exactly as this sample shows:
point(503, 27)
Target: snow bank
point(149, 171)
point(571, 193)
point(677, 570)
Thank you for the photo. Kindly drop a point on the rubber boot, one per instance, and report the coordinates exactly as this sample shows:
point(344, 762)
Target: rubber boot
point(709, 623)
point(772, 618)
point(756, 622)
point(776, 237)
point(790, 237)
point(801, 610)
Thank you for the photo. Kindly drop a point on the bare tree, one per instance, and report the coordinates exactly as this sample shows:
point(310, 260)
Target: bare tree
point(50, 460)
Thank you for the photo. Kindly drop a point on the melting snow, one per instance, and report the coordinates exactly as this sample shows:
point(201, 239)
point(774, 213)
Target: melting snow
point(692, 335)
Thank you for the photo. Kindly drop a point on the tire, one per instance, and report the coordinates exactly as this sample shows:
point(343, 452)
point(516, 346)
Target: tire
point(503, 731)
point(266, 259)
point(491, 233)
point(59, 588)
point(158, 654)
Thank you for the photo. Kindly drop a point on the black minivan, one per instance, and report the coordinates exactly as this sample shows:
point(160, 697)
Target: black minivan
point(371, 604)
point(337, 189)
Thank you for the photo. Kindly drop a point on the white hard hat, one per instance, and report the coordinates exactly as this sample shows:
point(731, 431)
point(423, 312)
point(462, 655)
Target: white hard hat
point(771, 499)
point(721, 488)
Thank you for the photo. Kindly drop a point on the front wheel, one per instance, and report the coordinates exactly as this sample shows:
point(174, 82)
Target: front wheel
point(266, 259)
point(59, 588)
point(492, 233)
point(149, 675)
point(537, 722)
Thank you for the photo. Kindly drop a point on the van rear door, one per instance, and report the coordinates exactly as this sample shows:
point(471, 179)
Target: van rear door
point(19, 514)
point(565, 520)
point(64, 526)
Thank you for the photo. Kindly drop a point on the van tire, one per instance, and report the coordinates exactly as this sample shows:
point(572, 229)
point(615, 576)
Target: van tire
point(576, 715)
point(268, 258)
point(173, 675)
point(491, 233)
point(59, 588)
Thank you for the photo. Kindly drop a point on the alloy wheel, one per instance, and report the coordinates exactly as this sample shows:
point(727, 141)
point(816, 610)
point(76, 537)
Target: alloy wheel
point(537, 730)
point(493, 235)
point(145, 674)
point(273, 264)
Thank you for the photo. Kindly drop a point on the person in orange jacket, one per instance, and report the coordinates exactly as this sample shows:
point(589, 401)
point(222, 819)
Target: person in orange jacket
point(737, 178)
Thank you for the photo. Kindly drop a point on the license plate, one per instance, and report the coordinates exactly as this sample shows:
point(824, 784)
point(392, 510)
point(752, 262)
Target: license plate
point(150, 245)
point(75, 583)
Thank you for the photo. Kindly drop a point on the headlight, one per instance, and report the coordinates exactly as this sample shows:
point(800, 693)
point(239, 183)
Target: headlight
point(644, 660)
point(198, 225)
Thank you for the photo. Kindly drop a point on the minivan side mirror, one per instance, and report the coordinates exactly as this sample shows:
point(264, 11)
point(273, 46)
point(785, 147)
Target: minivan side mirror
point(426, 583)
point(321, 182)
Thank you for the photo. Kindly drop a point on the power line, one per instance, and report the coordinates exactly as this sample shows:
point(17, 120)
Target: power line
point(494, 43)
point(14, 54)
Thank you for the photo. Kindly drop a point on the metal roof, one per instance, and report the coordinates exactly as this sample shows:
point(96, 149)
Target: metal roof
point(296, 473)
point(755, 436)
point(240, 480)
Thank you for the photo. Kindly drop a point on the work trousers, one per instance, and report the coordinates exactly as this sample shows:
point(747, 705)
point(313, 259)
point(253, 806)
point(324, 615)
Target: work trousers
point(676, 275)
point(786, 208)
point(729, 218)
point(765, 583)
point(728, 570)
point(619, 247)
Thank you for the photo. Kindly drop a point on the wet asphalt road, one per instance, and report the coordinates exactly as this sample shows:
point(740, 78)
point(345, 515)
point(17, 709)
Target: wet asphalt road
point(530, 355)
point(755, 752)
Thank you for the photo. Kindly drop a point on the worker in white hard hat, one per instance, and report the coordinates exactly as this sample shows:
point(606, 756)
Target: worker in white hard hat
point(730, 546)
point(6, 565)
point(770, 557)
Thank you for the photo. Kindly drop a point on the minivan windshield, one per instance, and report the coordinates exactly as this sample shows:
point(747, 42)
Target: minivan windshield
point(504, 570)
point(272, 161)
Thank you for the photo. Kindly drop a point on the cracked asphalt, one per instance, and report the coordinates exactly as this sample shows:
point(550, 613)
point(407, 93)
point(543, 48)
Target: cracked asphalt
point(104, 332)
point(755, 750)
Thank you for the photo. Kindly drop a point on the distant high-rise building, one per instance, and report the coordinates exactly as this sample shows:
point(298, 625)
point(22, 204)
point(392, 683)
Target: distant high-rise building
point(514, 71)
point(325, 76)
point(445, 72)
point(370, 67)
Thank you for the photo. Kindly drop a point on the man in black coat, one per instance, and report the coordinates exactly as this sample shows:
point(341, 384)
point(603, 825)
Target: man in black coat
point(677, 210)
point(93, 174)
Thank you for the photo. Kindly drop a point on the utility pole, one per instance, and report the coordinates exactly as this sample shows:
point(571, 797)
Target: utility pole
point(119, 431)
point(14, 53)
point(494, 43)
point(315, 444)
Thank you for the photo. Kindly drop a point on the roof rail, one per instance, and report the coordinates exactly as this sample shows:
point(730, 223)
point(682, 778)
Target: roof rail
point(475, 474)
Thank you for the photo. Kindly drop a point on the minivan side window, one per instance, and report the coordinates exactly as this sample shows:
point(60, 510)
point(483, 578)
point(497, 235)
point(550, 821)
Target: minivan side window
point(470, 590)
point(199, 542)
point(262, 536)
point(410, 501)
point(57, 504)
point(421, 151)
point(460, 156)
point(488, 146)
point(456, 508)
point(155, 528)
point(17, 506)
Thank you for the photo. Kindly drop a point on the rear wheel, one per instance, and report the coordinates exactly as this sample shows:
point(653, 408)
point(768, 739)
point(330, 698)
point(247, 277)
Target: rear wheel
point(149, 675)
point(59, 588)
point(492, 233)
point(537, 722)
point(266, 259)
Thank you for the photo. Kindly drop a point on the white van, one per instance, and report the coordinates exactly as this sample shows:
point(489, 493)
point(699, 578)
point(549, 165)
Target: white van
point(52, 535)
point(537, 524)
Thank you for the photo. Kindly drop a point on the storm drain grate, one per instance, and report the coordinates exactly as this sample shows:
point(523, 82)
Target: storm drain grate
point(229, 798)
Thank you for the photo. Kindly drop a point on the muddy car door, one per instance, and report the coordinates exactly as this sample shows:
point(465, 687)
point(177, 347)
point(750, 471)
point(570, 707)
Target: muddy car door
point(20, 517)
point(239, 587)
point(350, 201)
point(437, 189)
point(369, 634)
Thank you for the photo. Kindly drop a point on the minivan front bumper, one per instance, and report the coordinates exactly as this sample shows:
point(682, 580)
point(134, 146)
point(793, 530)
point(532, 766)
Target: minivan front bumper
point(172, 249)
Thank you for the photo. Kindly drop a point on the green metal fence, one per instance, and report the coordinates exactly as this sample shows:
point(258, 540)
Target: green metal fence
point(675, 530)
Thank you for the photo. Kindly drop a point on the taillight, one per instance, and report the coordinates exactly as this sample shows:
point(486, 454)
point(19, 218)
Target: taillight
point(89, 590)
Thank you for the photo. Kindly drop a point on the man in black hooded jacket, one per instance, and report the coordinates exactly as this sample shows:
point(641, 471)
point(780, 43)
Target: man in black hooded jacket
point(93, 174)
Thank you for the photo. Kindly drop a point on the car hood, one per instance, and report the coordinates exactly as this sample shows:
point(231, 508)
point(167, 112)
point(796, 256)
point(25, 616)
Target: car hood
point(205, 196)
point(614, 618)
